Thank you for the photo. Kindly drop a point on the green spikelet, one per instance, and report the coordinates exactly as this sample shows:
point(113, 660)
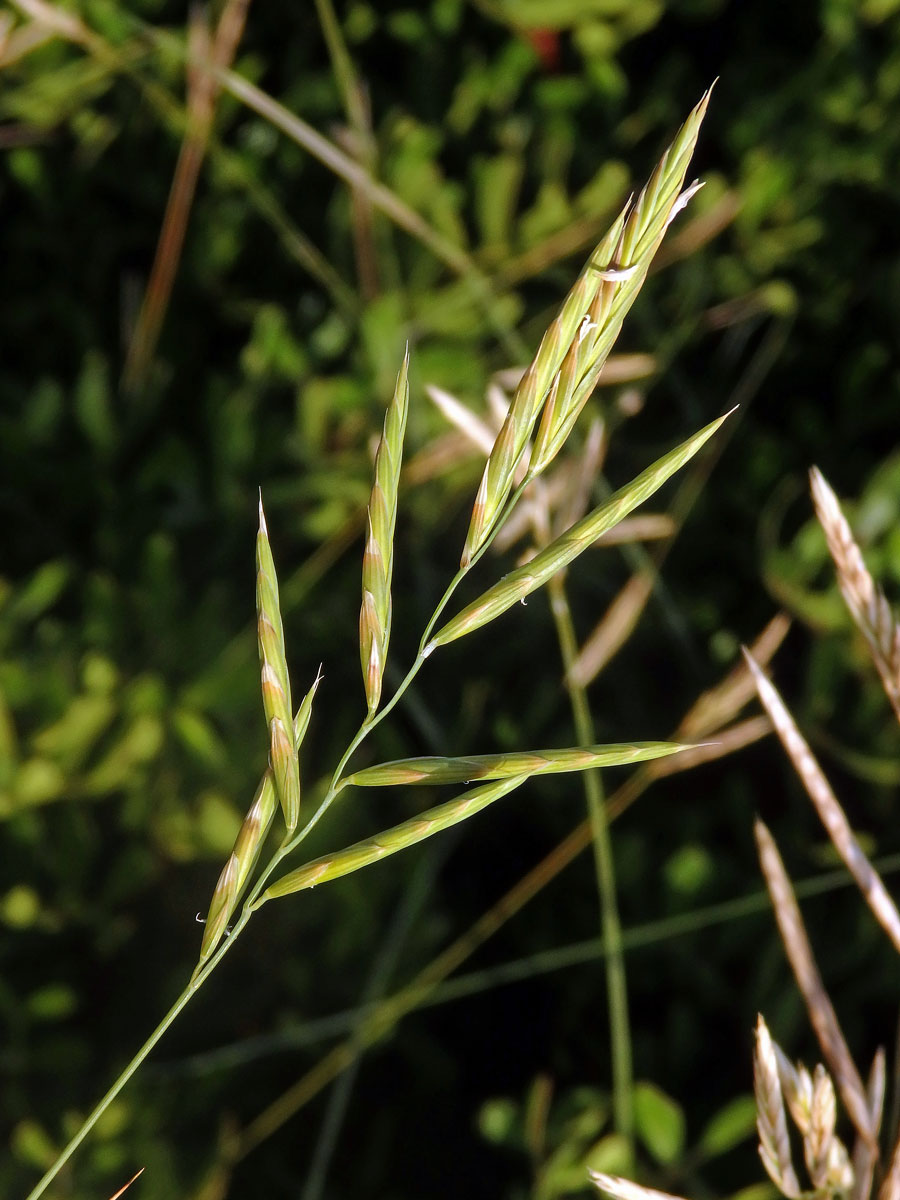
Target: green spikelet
point(378, 558)
point(572, 352)
point(522, 582)
point(434, 770)
point(361, 854)
point(240, 863)
point(276, 687)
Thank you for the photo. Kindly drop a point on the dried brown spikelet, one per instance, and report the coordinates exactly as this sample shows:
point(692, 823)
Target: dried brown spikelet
point(771, 1123)
point(865, 1156)
point(827, 806)
point(818, 1005)
point(868, 606)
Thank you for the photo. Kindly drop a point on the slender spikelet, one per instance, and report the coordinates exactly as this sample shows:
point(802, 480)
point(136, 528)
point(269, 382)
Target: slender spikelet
point(868, 607)
point(353, 858)
point(826, 804)
point(378, 558)
point(724, 701)
point(240, 863)
point(523, 581)
point(476, 430)
point(624, 1189)
point(796, 1087)
point(435, 770)
point(301, 719)
point(864, 1157)
point(818, 1139)
point(567, 365)
point(276, 687)
point(821, 1011)
point(771, 1123)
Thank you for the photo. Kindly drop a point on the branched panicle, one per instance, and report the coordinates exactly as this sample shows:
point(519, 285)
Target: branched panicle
point(553, 390)
point(378, 558)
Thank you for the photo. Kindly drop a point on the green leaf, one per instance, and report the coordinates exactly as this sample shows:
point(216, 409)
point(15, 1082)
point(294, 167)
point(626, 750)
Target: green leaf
point(729, 1127)
point(659, 1122)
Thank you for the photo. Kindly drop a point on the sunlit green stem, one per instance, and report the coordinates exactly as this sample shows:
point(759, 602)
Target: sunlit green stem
point(616, 987)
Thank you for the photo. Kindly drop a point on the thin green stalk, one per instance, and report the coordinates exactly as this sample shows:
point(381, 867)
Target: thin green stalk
point(183, 1000)
point(616, 986)
point(342, 65)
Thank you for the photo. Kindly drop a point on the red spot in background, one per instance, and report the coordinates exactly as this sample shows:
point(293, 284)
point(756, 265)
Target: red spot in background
point(546, 44)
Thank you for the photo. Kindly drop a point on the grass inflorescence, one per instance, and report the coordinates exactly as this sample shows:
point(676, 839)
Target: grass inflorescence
point(547, 402)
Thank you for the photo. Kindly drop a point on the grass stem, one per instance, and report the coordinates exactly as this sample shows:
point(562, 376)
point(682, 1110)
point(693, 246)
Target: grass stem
point(616, 983)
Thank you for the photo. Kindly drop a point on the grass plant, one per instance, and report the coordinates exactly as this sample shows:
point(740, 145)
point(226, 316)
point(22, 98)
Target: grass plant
point(544, 408)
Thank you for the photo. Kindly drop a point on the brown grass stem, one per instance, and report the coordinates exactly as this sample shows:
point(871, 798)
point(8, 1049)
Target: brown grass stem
point(202, 90)
point(827, 806)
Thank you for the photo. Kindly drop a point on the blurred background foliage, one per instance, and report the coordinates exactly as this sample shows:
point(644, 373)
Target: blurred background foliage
point(473, 154)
